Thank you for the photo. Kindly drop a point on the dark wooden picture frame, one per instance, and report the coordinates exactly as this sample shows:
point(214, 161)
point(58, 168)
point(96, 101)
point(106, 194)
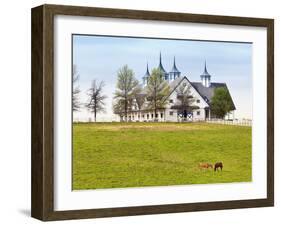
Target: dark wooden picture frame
point(42, 203)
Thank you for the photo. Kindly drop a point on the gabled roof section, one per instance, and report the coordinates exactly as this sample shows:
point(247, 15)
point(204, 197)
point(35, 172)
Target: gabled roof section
point(174, 84)
point(206, 93)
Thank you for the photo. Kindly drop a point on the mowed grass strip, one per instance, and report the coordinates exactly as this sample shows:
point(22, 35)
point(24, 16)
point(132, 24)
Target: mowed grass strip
point(118, 155)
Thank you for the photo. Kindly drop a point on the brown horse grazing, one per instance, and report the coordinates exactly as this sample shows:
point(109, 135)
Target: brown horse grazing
point(218, 165)
point(205, 165)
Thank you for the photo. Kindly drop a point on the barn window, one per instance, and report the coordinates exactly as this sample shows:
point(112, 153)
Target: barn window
point(156, 115)
point(151, 115)
point(171, 101)
point(147, 116)
point(171, 112)
point(198, 101)
point(161, 115)
point(198, 112)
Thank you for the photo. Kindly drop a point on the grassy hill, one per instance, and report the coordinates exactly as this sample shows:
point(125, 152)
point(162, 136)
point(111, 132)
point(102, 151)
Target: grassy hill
point(115, 155)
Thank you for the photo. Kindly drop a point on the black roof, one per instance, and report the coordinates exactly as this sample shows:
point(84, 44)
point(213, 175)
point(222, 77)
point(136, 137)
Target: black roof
point(208, 92)
point(205, 92)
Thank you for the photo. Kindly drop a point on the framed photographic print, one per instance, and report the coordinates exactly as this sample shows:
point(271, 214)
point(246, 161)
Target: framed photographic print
point(141, 112)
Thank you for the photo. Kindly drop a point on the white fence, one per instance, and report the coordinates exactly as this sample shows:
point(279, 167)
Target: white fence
point(237, 122)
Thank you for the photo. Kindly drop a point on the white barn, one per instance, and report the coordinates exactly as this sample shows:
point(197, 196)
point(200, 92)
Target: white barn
point(201, 92)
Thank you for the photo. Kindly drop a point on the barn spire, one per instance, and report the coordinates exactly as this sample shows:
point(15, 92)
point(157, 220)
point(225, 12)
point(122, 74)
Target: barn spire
point(146, 75)
point(147, 70)
point(206, 77)
point(163, 71)
point(174, 73)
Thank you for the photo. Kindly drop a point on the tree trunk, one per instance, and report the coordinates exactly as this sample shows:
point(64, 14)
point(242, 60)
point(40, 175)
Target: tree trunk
point(95, 109)
point(155, 105)
point(126, 107)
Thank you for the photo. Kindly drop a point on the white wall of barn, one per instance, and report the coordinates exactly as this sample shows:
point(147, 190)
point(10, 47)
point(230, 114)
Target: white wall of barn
point(198, 101)
point(169, 114)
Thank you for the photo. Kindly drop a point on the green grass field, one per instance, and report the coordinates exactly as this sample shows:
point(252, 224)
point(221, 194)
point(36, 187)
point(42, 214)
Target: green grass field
point(118, 155)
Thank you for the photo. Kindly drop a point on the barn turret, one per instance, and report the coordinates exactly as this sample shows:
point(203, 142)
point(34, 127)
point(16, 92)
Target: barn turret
point(174, 73)
point(206, 77)
point(146, 76)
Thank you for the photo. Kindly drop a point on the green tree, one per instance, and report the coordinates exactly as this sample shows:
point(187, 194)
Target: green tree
point(221, 102)
point(157, 91)
point(124, 94)
point(96, 98)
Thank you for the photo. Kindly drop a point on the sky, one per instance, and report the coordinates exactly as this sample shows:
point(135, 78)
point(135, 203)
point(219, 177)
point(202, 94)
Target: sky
point(100, 58)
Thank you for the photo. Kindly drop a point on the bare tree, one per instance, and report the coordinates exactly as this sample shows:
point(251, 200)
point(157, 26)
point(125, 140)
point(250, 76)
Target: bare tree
point(118, 108)
point(126, 83)
point(75, 90)
point(157, 91)
point(139, 97)
point(96, 98)
point(185, 101)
